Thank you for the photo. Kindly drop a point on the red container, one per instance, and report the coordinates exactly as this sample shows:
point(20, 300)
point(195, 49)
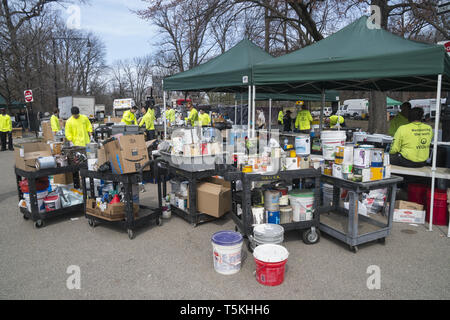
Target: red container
point(41, 185)
point(440, 211)
point(270, 274)
point(417, 193)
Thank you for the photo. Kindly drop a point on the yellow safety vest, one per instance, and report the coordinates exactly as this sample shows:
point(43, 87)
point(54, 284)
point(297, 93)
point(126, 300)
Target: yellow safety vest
point(170, 115)
point(54, 122)
point(334, 120)
point(413, 141)
point(204, 119)
point(281, 116)
point(129, 118)
point(77, 130)
point(5, 123)
point(193, 116)
point(303, 120)
point(149, 120)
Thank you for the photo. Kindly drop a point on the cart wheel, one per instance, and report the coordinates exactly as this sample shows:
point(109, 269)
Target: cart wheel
point(91, 223)
point(354, 249)
point(311, 237)
point(130, 234)
point(39, 224)
point(159, 221)
point(382, 240)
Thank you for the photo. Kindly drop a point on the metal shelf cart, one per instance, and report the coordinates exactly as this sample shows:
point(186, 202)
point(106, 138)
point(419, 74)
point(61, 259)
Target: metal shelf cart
point(164, 171)
point(39, 217)
point(130, 223)
point(245, 221)
point(349, 226)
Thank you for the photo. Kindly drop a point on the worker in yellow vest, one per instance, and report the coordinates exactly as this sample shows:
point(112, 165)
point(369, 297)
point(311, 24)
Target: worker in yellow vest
point(6, 130)
point(129, 117)
point(334, 119)
point(411, 147)
point(303, 120)
point(170, 114)
point(204, 118)
point(193, 114)
point(149, 120)
point(281, 117)
point(78, 128)
point(54, 121)
point(400, 119)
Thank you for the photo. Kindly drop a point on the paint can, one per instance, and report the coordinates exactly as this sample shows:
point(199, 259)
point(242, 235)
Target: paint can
point(272, 200)
point(227, 247)
point(285, 214)
point(273, 217)
point(45, 163)
point(258, 215)
point(377, 158)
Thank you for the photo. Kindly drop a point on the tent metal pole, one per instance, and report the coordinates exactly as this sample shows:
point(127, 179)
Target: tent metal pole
point(249, 113)
point(270, 115)
point(321, 110)
point(435, 145)
point(235, 111)
point(254, 112)
point(164, 115)
point(241, 122)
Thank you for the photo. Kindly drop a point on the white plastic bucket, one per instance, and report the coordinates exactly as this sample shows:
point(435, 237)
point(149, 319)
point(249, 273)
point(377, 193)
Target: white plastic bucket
point(227, 247)
point(303, 145)
point(52, 203)
point(40, 198)
point(302, 206)
point(331, 140)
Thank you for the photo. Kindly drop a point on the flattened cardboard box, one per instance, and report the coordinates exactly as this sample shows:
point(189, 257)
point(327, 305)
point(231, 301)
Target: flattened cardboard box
point(27, 154)
point(400, 204)
point(127, 154)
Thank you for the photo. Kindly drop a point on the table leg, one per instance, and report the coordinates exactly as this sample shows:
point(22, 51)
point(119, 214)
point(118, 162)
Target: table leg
point(353, 216)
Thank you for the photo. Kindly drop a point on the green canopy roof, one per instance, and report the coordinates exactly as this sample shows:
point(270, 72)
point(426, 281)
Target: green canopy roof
point(330, 95)
point(392, 102)
point(13, 105)
point(356, 58)
point(223, 73)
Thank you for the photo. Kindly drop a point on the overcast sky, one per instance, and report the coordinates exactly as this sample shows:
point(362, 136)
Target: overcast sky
point(124, 34)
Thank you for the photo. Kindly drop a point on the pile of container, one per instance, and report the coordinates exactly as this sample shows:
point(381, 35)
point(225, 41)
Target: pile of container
point(359, 163)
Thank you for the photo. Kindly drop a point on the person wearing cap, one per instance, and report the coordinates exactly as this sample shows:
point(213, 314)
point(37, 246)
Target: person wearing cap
point(78, 128)
point(193, 114)
point(129, 117)
point(334, 119)
point(149, 120)
point(303, 120)
point(54, 121)
point(6, 130)
point(400, 119)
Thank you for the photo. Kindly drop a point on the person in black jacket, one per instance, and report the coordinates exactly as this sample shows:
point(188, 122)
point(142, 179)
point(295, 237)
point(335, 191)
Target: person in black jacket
point(287, 121)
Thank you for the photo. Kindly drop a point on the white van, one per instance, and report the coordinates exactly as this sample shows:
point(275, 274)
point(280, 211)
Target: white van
point(428, 106)
point(355, 108)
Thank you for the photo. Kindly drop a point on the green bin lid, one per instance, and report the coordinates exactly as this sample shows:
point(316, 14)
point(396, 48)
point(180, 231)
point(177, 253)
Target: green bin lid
point(302, 193)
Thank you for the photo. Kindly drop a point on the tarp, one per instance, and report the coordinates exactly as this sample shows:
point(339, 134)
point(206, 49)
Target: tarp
point(13, 105)
point(330, 95)
point(392, 102)
point(356, 58)
point(223, 73)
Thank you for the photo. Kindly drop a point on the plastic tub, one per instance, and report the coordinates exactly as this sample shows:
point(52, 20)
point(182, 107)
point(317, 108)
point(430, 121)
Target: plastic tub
point(227, 247)
point(270, 260)
point(331, 140)
point(302, 203)
point(417, 193)
point(440, 211)
point(52, 203)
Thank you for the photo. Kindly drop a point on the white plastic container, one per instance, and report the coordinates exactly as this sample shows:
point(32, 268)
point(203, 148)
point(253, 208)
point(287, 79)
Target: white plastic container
point(303, 145)
point(302, 204)
point(227, 248)
point(331, 140)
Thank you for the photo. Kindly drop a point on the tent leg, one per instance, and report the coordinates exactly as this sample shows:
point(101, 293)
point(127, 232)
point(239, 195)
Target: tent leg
point(249, 113)
point(270, 115)
point(254, 112)
point(436, 132)
point(164, 114)
point(235, 112)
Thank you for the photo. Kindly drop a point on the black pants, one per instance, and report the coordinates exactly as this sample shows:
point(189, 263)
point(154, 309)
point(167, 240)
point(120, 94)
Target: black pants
point(398, 160)
point(150, 135)
point(3, 136)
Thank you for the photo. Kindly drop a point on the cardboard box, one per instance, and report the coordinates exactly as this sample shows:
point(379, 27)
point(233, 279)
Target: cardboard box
point(27, 154)
point(127, 154)
point(64, 178)
point(47, 132)
point(376, 174)
point(337, 171)
point(400, 204)
point(117, 210)
point(409, 216)
point(17, 133)
point(101, 155)
point(214, 197)
point(113, 120)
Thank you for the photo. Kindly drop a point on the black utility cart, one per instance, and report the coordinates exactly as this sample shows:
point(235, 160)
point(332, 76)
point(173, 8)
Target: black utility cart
point(39, 217)
point(348, 225)
point(244, 222)
point(165, 170)
point(130, 223)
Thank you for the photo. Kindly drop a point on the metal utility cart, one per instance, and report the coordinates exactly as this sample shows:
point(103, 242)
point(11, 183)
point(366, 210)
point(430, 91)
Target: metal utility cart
point(244, 223)
point(130, 223)
point(349, 226)
point(39, 217)
point(164, 170)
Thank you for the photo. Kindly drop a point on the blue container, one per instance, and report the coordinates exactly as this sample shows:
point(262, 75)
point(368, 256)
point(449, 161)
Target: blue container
point(273, 217)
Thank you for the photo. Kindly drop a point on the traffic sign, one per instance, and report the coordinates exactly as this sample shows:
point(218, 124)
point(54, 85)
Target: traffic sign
point(28, 95)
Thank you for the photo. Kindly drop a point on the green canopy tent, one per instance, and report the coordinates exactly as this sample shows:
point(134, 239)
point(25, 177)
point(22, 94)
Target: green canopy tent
point(392, 102)
point(231, 71)
point(12, 105)
point(361, 56)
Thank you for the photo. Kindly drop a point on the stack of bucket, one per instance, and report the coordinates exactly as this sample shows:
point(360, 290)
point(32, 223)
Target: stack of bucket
point(268, 234)
point(272, 206)
point(421, 194)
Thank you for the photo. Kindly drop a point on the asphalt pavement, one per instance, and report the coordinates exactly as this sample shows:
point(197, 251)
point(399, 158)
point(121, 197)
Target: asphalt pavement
point(174, 261)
